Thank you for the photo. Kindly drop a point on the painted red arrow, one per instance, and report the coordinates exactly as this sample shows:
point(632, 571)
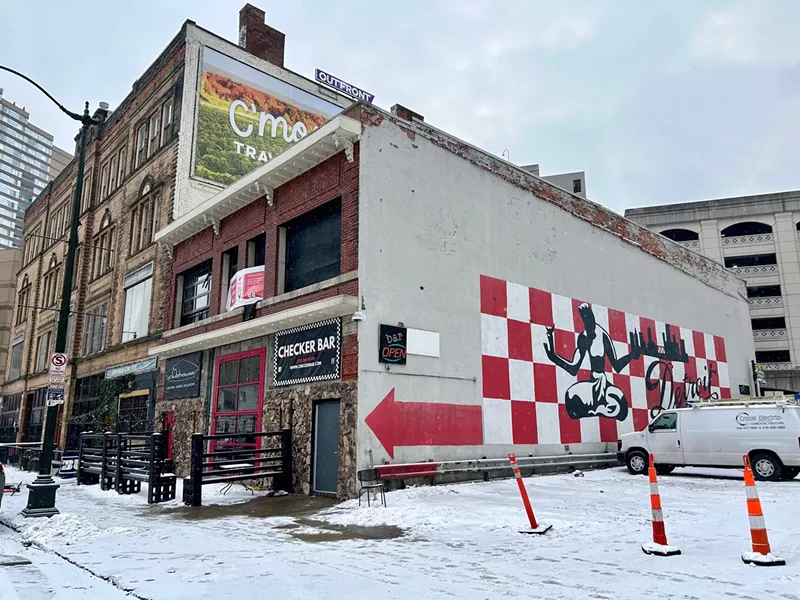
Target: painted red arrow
point(425, 424)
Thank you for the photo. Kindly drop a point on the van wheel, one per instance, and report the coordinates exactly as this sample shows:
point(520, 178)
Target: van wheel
point(790, 473)
point(665, 469)
point(766, 467)
point(637, 462)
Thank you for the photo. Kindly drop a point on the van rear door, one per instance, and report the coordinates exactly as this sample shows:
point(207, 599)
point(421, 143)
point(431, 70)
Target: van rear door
point(664, 440)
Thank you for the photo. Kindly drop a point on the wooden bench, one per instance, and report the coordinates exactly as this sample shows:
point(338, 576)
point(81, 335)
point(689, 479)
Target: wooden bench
point(402, 472)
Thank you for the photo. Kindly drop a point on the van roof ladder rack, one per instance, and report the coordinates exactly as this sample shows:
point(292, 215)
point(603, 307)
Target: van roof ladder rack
point(779, 400)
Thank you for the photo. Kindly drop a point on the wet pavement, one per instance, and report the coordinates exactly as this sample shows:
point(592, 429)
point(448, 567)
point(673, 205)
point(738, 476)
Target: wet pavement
point(293, 505)
point(301, 508)
point(328, 532)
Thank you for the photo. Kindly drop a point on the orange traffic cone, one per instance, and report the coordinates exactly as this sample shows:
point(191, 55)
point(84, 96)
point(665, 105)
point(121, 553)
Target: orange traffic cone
point(761, 554)
point(659, 546)
point(538, 528)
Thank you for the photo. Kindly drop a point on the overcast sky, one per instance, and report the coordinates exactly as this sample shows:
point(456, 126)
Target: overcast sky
point(658, 101)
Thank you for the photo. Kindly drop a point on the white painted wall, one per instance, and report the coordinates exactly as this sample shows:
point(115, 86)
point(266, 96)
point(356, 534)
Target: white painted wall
point(431, 223)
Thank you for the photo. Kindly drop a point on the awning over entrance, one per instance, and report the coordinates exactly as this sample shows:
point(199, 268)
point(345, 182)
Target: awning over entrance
point(339, 306)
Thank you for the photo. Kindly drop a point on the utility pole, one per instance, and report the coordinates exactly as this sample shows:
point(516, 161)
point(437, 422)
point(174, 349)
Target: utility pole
point(42, 494)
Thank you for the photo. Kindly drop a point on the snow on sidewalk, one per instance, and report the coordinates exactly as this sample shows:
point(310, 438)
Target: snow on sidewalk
point(459, 541)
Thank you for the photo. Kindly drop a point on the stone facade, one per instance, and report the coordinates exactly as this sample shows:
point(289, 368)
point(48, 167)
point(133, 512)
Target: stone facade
point(189, 416)
point(293, 408)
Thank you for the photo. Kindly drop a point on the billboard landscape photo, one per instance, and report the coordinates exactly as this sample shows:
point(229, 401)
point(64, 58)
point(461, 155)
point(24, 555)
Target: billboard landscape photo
point(247, 117)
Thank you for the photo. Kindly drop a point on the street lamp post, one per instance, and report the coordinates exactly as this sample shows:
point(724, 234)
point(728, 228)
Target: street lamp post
point(42, 494)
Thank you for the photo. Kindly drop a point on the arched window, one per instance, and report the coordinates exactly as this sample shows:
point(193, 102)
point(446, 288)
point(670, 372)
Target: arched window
point(746, 228)
point(681, 235)
point(103, 247)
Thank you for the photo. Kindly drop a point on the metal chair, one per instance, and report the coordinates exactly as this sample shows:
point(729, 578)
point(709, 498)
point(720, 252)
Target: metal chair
point(370, 479)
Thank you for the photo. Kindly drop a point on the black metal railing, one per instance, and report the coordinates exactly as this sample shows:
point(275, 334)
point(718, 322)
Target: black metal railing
point(228, 458)
point(123, 461)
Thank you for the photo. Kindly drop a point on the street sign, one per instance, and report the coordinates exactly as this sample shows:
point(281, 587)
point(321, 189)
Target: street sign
point(55, 395)
point(58, 364)
point(56, 379)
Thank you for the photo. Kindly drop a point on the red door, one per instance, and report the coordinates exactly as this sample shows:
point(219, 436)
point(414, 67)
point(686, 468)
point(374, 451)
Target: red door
point(238, 393)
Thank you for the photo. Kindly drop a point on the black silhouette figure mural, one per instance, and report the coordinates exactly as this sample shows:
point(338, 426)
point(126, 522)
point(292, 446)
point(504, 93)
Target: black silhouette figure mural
point(597, 396)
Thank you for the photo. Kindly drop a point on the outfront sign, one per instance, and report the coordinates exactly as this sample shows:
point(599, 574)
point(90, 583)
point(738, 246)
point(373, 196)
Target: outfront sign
point(246, 287)
point(343, 86)
point(182, 377)
point(307, 353)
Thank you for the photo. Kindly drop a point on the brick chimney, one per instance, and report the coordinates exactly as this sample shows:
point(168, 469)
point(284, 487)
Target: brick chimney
point(406, 113)
point(258, 38)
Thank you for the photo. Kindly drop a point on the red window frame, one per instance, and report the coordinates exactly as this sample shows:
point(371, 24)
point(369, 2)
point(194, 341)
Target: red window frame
point(215, 413)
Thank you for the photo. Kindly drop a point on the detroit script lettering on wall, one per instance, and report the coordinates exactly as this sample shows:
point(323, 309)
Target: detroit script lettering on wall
point(561, 370)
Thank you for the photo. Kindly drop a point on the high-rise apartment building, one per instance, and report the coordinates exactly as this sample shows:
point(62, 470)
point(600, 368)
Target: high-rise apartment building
point(26, 152)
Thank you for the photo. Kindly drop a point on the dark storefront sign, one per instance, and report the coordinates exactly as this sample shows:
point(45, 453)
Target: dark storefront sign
point(308, 353)
point(392, 345)
point(182, 377)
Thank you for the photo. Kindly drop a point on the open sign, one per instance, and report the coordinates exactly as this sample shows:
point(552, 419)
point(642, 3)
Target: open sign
point(392, 345)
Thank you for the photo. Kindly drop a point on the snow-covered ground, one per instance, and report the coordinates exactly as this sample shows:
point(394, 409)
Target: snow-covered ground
point(455, 541)
point(28, 573)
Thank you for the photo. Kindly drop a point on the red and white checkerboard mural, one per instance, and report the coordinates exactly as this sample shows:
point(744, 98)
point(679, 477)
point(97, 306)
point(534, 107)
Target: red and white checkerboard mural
point(559, 370)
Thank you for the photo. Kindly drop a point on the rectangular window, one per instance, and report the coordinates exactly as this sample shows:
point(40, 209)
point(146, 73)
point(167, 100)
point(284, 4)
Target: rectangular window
point(229, 268)
point(238, 389)
point(112, 174)
point(576, 186)
point(141, 144)
point(143, 224)
point(313, 247)
point(166, 121)
point(43, 352)
point(87, 399)
point(9, 418)
point(138, 289)
point(769, 323)
point(155, 135)
point(37, 404)
point(15, 366)
point(94, 330)
point(754, 260)
point(256, 248)
point(103, 251)
point(772, 356)
point(104, 181)
point(86, 195)
point(23, 301)
point(123, 157)
point(764, 291)
point(50, 286)
point(196, 293)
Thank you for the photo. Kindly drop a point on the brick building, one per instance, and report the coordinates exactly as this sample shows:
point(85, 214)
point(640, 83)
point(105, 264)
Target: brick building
point(138, 170)
point(424, 301)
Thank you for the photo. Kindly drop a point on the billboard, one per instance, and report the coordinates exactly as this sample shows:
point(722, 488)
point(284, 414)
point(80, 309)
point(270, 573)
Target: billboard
point(246, 118)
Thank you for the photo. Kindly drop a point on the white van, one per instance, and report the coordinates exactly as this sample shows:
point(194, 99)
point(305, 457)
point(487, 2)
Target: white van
point(718, 434)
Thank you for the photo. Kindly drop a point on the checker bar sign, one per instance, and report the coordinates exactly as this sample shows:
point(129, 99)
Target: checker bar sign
point(57, 377)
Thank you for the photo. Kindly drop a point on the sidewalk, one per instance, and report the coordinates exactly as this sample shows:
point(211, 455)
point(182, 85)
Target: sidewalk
point(433, 542)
